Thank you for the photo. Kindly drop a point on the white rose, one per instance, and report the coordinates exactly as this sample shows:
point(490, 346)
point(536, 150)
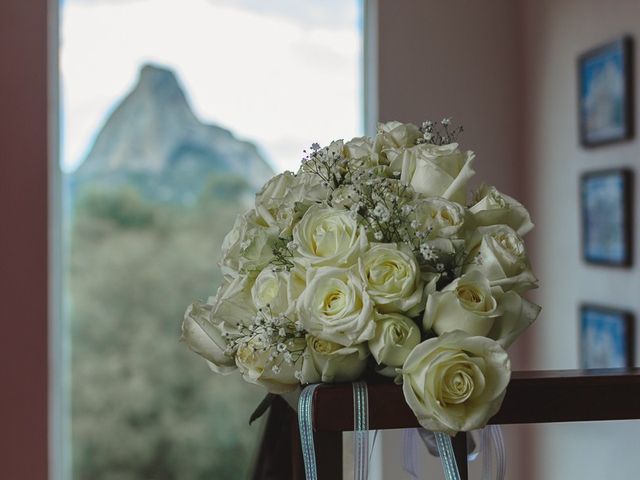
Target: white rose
point(256, 249)
point(274, 203)
point(468, 304)
point(277, 188)
point(455, 382)
point(205, 338)
point(493, 207)
point(284, 199)
point(230, 250)
point(267, 367)
point(332, 155)
point(436, 170)
point(326, 361)
point(271, 289)
point(248, 246)
point(335, 306)
point(517, 314)
point(499, 253)
point(392, 135)
point(334, 150)
point(286, 216)
point(328, 236)
point(310, 190)
point(232, 303)
point(307, 190)
point(440, 217)
point(395, 337)
point(296, 284)
point(393, 278)
point(359, 147)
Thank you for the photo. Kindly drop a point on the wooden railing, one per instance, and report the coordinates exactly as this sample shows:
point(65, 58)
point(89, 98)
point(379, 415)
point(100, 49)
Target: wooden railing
point(532, 397)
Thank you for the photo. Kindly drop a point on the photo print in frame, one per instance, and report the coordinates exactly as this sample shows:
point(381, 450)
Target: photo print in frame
point(606, 198)
point(605, 90)
point(606, 337)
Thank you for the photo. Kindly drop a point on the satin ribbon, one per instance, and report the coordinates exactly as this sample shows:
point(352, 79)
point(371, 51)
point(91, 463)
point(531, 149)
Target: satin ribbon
point(448, 458)
point(409, 451)
point(490, 444)
point(492, 441)
point(305, 423)
point(360, 431)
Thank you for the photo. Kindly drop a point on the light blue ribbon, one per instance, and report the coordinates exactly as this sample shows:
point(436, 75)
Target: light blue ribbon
point(448, 458)
point(360, 431)
point(489, 444)
point(305, 422)
point(492, 441)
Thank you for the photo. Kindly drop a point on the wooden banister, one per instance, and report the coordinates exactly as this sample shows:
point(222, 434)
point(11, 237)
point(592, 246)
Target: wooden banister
point(532, 397)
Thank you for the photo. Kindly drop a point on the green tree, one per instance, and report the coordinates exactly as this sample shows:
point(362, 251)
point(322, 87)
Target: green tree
point(143, 405)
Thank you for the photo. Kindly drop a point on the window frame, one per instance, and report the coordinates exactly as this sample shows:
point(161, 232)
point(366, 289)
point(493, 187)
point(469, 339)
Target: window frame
point(34, 405)
point(26, 156)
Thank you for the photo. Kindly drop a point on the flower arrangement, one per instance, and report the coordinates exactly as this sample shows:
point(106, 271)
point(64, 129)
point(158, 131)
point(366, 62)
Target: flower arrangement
point(370, 260)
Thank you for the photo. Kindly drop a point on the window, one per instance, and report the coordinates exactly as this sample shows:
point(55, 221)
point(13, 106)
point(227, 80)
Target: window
point(173, 114)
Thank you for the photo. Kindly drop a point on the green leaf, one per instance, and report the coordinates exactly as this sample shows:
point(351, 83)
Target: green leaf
point(262, 407)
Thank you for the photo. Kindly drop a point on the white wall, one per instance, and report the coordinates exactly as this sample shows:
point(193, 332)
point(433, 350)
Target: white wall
point(454, 59)
point(554, 33)
point(459, 59)
point(507, 70)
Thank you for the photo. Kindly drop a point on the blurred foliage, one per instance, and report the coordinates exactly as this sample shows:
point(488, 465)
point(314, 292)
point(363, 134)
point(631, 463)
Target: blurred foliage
point(144, 407)
point(125, 207)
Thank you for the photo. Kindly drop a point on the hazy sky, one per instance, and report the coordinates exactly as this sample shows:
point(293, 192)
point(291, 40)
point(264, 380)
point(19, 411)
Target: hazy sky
point(282, 73)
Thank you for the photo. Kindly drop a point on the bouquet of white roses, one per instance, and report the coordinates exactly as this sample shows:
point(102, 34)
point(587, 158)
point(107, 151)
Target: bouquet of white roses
point(370, 258)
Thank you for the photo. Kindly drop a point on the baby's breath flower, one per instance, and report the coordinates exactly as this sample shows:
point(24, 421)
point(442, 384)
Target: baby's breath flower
point(382, 212)
point(428, 252)
point(407, 209)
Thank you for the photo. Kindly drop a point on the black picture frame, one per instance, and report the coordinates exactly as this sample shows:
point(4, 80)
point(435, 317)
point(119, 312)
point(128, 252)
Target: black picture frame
point(606, 211)
point(605, 114)
point(606, 338)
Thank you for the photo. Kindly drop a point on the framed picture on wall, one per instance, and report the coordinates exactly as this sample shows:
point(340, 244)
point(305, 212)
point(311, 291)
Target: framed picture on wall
point(605, 198)
point(605, 93)
point(606, 337)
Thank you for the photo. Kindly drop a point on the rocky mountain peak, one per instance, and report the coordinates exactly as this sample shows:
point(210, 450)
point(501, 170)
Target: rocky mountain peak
point(154, 136)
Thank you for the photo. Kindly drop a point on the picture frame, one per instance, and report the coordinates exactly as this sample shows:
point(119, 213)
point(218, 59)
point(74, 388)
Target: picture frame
point(605, 93)
point(607, 337)
point(606, 204)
